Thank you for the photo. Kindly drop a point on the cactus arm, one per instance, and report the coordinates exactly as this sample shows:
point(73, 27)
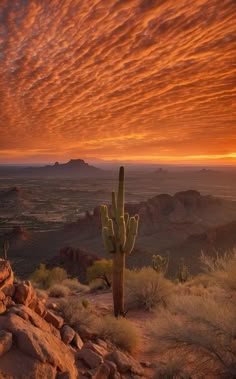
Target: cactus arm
point(132, 233)
point(126, 219)
point(107, 240)
point(110, 228)
point(104, 215)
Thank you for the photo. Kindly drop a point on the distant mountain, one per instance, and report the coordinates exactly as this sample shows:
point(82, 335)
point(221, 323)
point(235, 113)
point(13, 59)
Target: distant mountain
point(75, 167)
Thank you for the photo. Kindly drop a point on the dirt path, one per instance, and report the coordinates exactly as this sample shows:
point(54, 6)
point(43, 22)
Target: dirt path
point(103, 303)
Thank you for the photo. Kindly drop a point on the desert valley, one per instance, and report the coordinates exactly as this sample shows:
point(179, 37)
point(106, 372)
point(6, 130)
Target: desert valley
point(51, 233)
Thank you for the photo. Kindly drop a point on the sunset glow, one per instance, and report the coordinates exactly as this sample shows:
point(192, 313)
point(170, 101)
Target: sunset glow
point(137, 80)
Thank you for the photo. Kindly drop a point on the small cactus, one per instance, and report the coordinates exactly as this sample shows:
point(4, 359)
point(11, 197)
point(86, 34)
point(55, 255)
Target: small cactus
point(159, 263)
point(183, 273)
point(119, 233)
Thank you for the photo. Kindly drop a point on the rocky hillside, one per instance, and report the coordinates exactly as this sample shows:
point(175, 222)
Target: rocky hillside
point(41, 345)
point(181, 225)
point(172, 218)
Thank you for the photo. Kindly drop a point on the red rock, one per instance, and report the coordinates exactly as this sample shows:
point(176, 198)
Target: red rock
point(113, 368)
point(28, 314)
point(40, 308)
point(24, 294)
point(19, 312)
point(15, 364)
point(5, 342)
point(91, 358)
point(125, 363)
point(96, 348)
point(39, 344)
point(77, 341)
point(102, 372)
point(54, 319)
point(6, 275)
point(67, 334)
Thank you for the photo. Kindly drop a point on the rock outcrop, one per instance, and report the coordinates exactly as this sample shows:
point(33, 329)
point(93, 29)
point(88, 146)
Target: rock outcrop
point(35, 342)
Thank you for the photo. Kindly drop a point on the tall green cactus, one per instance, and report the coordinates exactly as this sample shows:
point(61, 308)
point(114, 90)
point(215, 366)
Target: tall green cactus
point(119, 234)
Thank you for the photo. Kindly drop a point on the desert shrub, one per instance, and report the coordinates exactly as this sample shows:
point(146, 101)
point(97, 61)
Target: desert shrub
point(96, 285)
point(174, 368)
point(44, 278)
point(41, 294)
point(145, 288)
point(78, 316)
point(202, 329)
point(74, 285)
point(40, 276)
point(101, 269)
point(121, 332)
point(221, 269)
point(58, 290)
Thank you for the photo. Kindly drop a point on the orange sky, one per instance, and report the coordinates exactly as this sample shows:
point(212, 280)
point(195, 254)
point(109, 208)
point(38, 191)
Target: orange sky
point(143, 80)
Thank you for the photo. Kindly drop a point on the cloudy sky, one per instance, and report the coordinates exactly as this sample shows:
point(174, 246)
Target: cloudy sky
point(144, 80)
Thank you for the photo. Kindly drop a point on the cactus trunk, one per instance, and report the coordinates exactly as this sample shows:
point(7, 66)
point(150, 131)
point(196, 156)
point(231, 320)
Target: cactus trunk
point(119, 233)
point(118, 271)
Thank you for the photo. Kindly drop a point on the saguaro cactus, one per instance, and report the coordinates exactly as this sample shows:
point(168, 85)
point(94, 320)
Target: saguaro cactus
point(119, 233)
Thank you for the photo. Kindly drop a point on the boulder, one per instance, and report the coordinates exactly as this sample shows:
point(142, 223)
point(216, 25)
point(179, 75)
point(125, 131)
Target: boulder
point(113, 368)
point(77, 341)
point(15, 362)
point(40, 308)
point(96, 348)
point(125, 363)
point(5, 341)
point(102, 372)
point(91, 358)
point(28, 314)
point(54, 319)
point(25, 294)
point(67, 334)
point(39, 344)
point(6, 275)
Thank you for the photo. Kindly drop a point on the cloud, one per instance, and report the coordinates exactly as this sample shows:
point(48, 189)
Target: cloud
point(117, 78)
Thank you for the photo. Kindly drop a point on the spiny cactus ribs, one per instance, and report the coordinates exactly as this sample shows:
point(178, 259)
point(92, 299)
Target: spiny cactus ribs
point(119, 234)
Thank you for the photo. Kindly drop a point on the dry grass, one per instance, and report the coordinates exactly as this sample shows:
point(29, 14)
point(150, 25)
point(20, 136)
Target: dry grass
point(121, 332)
point(146, 289)
point(59, 290)
point(74, 285)
point(97, 285)
point(221, 269)
point(79, 316)
point(41, 294)
point(173, 369)
point(202, 328)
